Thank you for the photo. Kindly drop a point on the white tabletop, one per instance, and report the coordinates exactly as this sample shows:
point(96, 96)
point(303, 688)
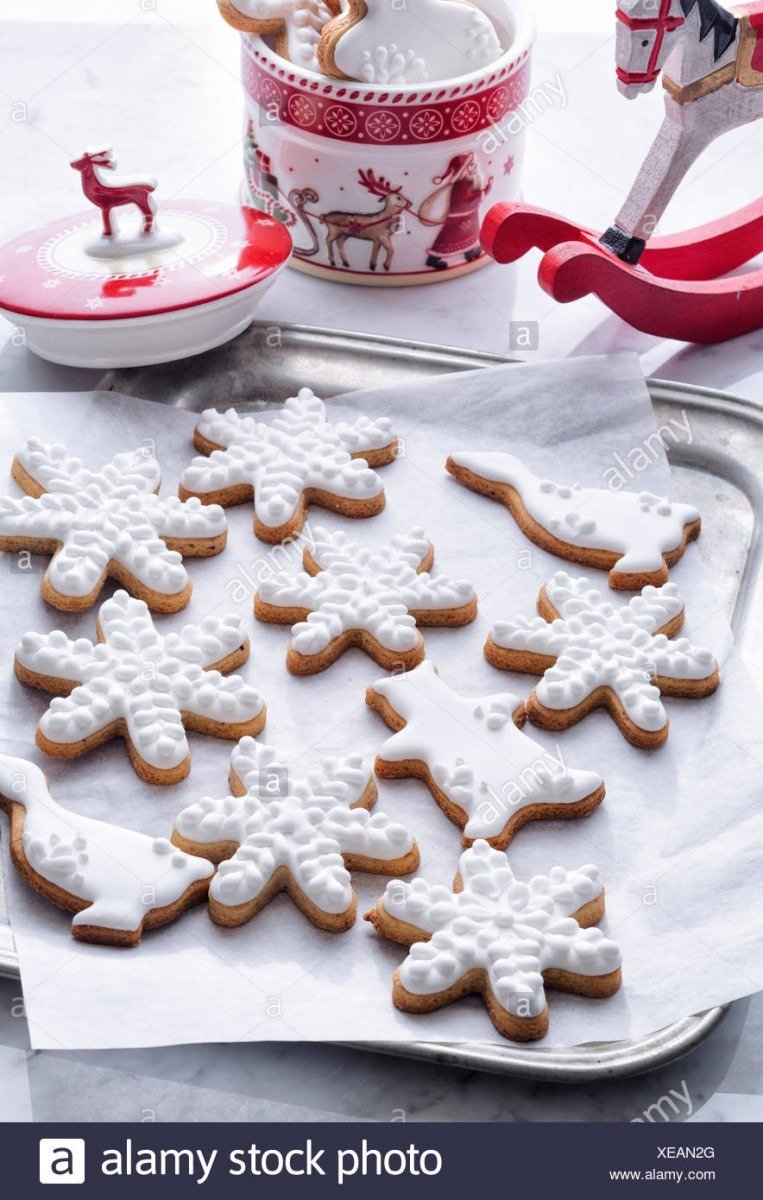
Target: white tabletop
point(159, 80)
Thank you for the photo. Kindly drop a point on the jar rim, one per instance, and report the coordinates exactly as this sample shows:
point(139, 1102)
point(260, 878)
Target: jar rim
point(524, 36)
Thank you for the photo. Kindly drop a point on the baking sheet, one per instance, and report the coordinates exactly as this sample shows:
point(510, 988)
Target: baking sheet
point(672, 821)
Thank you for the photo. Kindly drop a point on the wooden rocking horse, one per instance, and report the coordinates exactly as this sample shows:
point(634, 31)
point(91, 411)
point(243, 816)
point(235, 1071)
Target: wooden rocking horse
point(711, 59)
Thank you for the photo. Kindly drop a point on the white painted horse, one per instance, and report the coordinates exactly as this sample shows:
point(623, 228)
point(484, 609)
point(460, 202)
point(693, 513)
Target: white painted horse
point(711, 60)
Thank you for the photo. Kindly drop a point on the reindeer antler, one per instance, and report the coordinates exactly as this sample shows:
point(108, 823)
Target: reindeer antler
point(102, 156)
point(377, 186)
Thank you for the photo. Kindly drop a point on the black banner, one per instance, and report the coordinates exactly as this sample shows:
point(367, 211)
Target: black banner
point(378, 1160)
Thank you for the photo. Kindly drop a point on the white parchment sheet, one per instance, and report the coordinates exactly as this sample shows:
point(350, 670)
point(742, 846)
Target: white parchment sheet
point(679, 838)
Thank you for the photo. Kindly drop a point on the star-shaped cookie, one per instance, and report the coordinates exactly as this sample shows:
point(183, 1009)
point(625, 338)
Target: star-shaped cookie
point(350, 595)
point(502, 938)
point(593, 654)
point(297, 459)
point(106, 524)
point(277, 832)
point(141, 685)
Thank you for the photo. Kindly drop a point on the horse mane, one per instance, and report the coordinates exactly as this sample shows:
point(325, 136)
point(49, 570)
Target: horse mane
point(716, 20)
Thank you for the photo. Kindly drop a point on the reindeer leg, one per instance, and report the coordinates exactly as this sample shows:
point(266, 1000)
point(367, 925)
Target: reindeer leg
point(341, 244)
point(389, 251)
point(375, 252)
point(106, 215)
point(330, 239)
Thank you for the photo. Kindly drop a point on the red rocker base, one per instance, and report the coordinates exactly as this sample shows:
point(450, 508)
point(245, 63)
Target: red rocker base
point(675, 291)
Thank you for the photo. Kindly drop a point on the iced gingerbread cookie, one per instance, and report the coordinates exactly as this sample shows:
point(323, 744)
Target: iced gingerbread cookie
point(117, 882)
point(278, 833)
point(297, 460)
point(486, 775)
point(500, 937)
point(593, 654)
point(636, 536)
point(349, 595)
point(421, 41)
point(142, 686)
point(106, 524)
point(294, 24)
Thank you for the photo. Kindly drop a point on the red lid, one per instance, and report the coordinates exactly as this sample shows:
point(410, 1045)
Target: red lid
point(199, 252)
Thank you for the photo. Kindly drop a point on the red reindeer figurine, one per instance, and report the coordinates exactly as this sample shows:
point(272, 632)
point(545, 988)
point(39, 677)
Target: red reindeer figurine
point(121, 190)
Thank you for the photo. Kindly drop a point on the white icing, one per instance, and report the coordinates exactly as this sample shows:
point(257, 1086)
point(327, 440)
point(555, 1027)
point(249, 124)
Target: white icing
point(122, 874)
point(302, 825)
point(441, 39)
point(474, 751)
point(302, 21)
point(363, 589)
point(639, 526)
point(390, 64)
point(511, 930)
point(99, 517)
point(297, 451)
point(125, 245)
point(596, 644)
point(137, 675)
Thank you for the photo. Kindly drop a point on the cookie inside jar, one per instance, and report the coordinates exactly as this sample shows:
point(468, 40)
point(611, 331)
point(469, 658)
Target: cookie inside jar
point(370, 41)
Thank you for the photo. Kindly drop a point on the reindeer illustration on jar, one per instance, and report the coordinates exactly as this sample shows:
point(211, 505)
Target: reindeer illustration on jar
point(376, 227)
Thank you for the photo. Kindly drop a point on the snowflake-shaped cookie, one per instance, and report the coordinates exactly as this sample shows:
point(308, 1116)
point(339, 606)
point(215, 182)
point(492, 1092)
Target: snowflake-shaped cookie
point(296, 460)
point(295, 24)
point(349, 595)
point(486, 775)
point(106, 524)
point(142, 686)
point(279, 833)
point(634, 535)
point(116, 881)
point(448, 38)
point(500, 937)
point(592, 654)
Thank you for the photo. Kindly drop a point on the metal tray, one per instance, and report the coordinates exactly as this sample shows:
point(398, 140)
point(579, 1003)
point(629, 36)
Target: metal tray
point(721, 471)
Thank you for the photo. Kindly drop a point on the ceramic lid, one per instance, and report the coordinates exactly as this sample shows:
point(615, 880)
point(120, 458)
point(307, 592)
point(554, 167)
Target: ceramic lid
point(194, 252)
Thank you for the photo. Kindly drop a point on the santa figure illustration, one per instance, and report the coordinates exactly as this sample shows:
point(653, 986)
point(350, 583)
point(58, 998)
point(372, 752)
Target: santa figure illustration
point(454, 205)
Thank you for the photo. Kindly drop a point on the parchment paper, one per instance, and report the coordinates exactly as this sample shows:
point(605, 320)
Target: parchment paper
point(678, 838)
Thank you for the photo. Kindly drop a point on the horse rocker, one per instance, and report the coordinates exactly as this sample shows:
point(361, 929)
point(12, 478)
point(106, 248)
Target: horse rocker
point(711, 60)
point(117, 192)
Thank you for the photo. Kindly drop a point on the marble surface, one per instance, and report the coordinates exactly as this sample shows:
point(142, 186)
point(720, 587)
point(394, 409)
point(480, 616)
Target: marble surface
point(159, 79)
point(719, 1081)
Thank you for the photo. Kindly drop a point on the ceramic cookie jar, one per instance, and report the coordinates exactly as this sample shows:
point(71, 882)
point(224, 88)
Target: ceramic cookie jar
point(386, 182)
